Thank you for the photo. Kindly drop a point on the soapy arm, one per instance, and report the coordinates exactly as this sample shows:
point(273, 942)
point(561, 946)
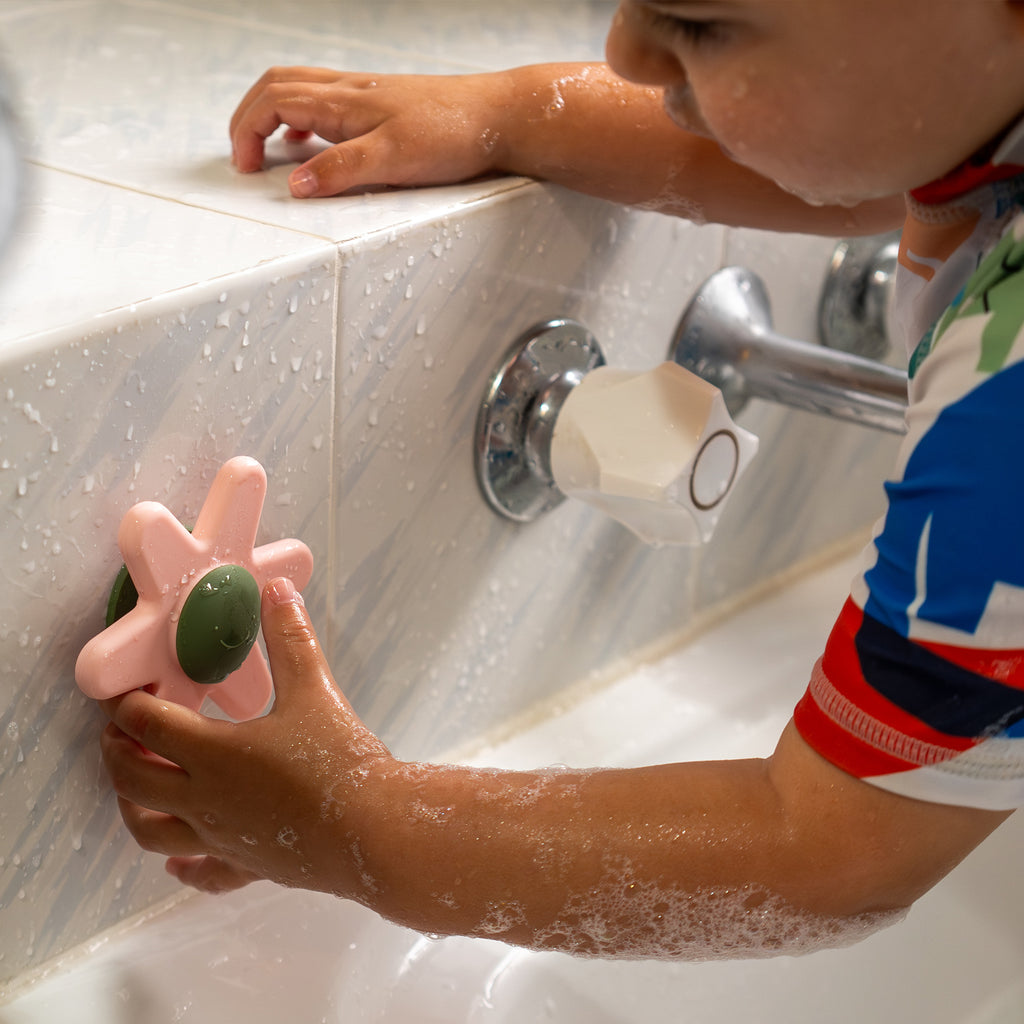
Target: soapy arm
point(672, 860)
point(577, 125)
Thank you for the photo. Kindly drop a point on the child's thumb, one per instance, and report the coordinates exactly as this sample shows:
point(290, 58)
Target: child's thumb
point(300, 670)
point(293, 650)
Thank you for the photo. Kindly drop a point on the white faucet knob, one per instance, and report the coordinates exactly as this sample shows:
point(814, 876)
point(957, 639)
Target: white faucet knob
point(656, 450)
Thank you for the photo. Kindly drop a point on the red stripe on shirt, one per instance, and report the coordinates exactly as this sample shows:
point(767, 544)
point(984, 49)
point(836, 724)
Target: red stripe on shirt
point(848, 722)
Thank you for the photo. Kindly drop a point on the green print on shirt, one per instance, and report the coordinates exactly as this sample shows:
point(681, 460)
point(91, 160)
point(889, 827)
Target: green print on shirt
point(996, 291)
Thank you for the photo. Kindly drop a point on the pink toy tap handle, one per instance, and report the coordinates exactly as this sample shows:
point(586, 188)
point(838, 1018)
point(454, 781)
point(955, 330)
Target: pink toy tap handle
point(180, 577)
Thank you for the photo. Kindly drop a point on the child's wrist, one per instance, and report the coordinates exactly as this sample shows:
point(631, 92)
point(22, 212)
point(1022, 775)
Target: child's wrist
point(395, 840)
point(500, 117)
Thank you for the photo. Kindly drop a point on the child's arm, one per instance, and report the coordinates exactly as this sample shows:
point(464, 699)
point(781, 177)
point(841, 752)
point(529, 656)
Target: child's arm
point(578, 125)
point(633, 861)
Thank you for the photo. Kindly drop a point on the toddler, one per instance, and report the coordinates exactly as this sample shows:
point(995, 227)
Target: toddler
point(907, 748)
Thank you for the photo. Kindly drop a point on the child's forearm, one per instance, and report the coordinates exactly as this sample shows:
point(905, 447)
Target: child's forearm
point(582, 126)
point(599, 863)
point(674, 860)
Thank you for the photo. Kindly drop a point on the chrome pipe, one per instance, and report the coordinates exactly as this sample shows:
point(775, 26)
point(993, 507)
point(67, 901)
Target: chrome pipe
point(726, 336)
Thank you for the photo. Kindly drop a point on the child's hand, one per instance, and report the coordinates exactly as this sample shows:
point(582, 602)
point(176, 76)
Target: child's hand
point(386, 129)
point(273, 798)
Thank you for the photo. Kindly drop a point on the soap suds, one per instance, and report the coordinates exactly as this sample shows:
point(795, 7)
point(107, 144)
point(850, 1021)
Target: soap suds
point(630, 919)
point(287, 836)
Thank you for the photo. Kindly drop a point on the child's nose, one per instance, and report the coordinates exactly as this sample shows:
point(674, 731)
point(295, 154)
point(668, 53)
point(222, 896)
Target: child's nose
point(637, 54)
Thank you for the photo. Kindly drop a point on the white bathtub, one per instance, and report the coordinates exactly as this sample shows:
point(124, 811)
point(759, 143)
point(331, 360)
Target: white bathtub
point(269, 955)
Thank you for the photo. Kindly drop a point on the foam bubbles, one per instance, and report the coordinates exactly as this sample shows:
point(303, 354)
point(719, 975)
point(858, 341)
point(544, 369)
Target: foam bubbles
point(631, 919)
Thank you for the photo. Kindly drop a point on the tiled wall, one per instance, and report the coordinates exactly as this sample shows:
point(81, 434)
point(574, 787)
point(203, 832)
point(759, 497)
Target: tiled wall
point(447, 618)
point(159, 314)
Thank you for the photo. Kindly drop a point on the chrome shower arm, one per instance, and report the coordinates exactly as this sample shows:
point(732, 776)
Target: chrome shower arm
point(726, 337)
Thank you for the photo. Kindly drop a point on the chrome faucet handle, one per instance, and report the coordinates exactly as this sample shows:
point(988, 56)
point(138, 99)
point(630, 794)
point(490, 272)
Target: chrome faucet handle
point(518, 413)
point(853, 313)
point(655, 450)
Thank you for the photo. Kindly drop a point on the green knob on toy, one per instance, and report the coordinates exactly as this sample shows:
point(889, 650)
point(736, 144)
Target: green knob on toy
point(123, 596)
point(219, 623)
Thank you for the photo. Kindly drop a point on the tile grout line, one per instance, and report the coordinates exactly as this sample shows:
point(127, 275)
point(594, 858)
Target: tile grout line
point(135, 190)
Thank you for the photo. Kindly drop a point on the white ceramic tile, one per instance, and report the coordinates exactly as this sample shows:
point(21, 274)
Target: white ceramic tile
point(131, 407)
point(448, 618)
point(476, 33)
point(83, 248)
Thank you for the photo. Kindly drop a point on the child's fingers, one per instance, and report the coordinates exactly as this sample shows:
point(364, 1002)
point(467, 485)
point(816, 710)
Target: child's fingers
point(305, 104)
point(296, 660)
point(342, 167)
point(247, 140)
point(278, 76)
point(139, 776)
point(167, 729)
point(302, 677)
point(158, 832)
point(247, 145)
point(209, 874)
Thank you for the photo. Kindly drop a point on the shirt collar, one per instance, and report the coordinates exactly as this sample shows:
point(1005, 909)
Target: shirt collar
point(1001, 158)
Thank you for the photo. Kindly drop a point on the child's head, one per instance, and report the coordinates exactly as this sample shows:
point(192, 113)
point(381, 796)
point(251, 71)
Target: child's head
point(836, 100)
